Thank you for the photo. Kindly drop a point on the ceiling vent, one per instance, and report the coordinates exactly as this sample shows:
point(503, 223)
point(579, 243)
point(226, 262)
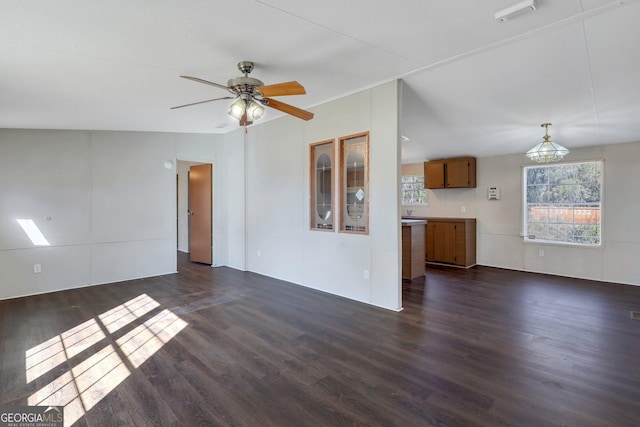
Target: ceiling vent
point(516, 10)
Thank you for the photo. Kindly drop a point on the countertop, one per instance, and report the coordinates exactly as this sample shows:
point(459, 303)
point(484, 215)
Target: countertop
point(427, 218)
point(412, 222)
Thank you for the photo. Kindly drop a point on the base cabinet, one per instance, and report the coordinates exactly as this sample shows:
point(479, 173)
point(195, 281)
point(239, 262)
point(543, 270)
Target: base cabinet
point(451, 241)
point(413, 256)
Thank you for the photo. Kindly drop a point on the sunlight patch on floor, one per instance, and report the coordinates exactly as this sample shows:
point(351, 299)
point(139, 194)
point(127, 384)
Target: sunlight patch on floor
point(87, 382)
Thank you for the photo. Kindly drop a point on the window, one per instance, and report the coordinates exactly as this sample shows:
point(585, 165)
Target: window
point(354, 183)
point(413, 191)
point(562, 203)
point(322, 186)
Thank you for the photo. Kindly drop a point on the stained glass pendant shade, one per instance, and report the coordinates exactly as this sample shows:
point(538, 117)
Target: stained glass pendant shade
point(547, 151)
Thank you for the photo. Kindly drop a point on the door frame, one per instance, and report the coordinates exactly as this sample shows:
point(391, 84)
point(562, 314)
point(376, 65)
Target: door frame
point(182, 169)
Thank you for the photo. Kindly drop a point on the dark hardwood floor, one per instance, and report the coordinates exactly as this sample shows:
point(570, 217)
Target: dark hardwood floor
point(482, 346)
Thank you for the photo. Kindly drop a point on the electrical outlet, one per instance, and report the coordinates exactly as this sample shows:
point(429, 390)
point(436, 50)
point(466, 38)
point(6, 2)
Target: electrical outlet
point(366, 275)
point(259, 253)
point(541, 252)
point(463, 209)
point(37, 268)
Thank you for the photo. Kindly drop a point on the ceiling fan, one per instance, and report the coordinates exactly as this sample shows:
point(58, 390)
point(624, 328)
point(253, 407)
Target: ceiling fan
point(251, 94)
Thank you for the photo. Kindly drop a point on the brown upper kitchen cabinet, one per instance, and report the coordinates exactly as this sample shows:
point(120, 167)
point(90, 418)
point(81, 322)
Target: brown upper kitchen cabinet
point(450, 173)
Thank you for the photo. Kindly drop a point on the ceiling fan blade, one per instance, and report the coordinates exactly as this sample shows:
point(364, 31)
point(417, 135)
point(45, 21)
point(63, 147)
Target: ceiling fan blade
point(195, 79)
point(289, 109)
point(201, 102)
point(281, 89)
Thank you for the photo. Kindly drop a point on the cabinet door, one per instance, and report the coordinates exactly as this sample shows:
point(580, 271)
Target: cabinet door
point(460, 244)
point(451, 242)
point(445, 242)
point(429, 241)
point(457, 171)
point(434, 174)
point(441, 237)
point(321, 212)
point(354, 183)
point(460, 173)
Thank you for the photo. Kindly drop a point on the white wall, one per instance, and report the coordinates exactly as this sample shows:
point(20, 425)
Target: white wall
point(113, 203)
point(279, 242)
point(230, 203)
point(500, 222)
point(196, 149)
point(112, 206)
point(110, 200)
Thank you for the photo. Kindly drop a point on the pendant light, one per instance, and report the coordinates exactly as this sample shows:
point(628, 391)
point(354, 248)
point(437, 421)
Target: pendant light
point(547, 151)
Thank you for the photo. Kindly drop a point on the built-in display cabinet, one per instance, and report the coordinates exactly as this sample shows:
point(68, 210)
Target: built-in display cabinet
point(341, 167)
point(321, 209)
point(354, 183)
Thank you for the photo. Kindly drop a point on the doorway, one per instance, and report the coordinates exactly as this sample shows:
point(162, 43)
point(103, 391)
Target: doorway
point(194, 210)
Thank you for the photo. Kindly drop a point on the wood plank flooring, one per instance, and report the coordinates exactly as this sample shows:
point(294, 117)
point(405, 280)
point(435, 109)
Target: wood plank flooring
point(476, 347)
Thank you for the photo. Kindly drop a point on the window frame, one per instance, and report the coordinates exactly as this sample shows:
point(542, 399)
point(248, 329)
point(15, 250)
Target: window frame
point(532, 238)
point(344, 220)
point(313, 225)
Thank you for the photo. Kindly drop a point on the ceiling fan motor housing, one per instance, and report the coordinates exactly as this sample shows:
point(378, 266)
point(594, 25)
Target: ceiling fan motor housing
point(243, 84)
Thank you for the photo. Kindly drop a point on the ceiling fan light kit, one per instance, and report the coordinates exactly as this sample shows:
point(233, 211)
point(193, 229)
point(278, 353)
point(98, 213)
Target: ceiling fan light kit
point(236, 109)
point(547, 151)
point(251, 94)
point(255, 110)
point(515, 10)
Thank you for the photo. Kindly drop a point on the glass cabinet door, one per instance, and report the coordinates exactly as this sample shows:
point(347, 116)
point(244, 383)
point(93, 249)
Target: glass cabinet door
point(354, 185)
point(321, 209)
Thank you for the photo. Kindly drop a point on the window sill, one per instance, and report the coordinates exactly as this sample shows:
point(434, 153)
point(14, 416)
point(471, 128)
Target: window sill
point(563, 244)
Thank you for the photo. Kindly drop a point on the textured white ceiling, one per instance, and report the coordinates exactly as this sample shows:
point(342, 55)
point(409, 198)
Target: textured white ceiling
point(473, 86)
